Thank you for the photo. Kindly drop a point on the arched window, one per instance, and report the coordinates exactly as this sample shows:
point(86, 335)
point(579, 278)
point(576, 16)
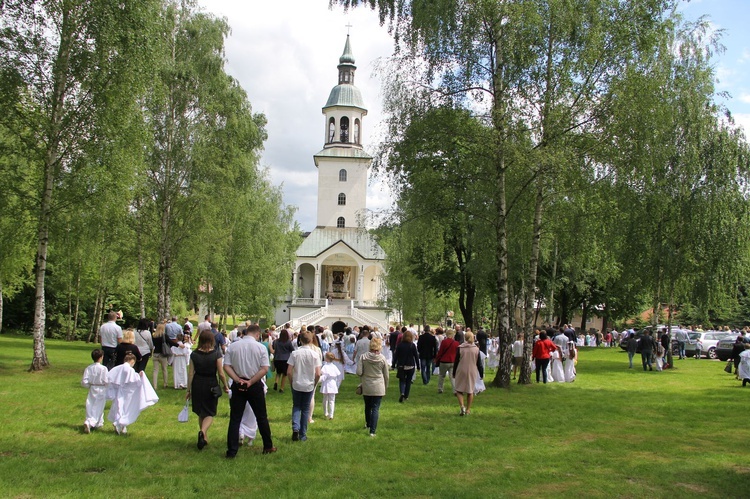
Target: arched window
point(340, 223)
point(342, 175)
point(355, 135)
point(331, 130)
point(344, 133)
point(342, 199)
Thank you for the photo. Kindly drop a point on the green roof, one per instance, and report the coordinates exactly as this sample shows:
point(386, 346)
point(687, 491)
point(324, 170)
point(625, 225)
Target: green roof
point(347, 57)
point(345, 95)
point(359, 240)
point(342, 152)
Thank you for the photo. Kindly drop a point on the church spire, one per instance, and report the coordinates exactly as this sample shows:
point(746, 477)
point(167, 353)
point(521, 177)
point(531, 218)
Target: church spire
point(346, 65)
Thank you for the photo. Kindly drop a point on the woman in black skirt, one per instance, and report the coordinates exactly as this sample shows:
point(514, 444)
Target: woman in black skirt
point(205, 364)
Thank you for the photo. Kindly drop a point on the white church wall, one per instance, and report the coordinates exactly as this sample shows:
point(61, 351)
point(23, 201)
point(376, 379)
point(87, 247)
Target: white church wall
point(329, 189)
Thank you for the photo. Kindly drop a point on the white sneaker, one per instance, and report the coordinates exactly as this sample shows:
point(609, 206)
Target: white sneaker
point(117, 428)
point(124, 430)
point(372, 434)
point(86, 428)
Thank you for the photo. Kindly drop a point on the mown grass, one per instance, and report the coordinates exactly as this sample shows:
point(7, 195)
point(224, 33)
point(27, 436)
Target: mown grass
point(615, 432)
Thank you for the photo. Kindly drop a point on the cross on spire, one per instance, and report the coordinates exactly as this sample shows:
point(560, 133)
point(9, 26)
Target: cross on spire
point(348, 25)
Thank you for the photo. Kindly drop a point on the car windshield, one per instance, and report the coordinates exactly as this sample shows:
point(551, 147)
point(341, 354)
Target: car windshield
point(694, 336)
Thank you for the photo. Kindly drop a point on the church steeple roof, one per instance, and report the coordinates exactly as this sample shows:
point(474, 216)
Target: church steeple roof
point(345, 93)
point(347, 57)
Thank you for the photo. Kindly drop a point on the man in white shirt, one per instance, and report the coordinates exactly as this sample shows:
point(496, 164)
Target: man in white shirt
point(246, 363)
point(562, 341)
point(205, 325)
point(303, 372)
point(110, 334)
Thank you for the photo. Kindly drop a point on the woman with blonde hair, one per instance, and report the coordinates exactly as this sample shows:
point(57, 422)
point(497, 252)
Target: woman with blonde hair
point(127, 345)
point(161, 357)
point(467, 368)
point(372, 369)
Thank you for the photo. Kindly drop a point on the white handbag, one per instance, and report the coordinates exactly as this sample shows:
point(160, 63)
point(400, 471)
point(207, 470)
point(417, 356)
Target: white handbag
point(182, 417)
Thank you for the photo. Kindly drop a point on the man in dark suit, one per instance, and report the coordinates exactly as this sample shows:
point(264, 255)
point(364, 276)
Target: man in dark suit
point(427, 348)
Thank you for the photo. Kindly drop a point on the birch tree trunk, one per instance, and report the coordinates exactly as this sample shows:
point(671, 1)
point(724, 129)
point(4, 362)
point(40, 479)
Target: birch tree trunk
point(525, 377)
point(51, 163)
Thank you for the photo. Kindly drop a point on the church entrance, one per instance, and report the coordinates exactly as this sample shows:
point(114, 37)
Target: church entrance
point(338, 327)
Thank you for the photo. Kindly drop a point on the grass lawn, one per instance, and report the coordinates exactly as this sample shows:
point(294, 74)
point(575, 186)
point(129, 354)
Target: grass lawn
point(615, 432)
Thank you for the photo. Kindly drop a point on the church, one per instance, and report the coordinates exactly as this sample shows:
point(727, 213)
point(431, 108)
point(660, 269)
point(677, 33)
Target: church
point(337, 279)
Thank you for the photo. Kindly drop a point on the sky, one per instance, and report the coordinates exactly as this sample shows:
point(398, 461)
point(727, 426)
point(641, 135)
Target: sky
point(284, 54)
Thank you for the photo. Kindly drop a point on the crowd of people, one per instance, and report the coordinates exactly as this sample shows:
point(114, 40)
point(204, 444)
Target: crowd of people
point(245, 362)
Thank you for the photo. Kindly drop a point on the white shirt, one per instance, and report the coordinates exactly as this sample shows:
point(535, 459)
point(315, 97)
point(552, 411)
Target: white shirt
point(518, 348)
point(109, 333)
point(562, 341)
point(246, 357)
point(204, 326)
point(304, 360)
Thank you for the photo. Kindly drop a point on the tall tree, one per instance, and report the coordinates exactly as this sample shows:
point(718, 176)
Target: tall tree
point(204, 139)
point(491, 53)
point(79, 62)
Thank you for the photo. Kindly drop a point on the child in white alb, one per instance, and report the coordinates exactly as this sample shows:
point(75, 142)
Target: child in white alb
point(130, 392)
point(95, 379)
point(329, 387)
point(179, 364)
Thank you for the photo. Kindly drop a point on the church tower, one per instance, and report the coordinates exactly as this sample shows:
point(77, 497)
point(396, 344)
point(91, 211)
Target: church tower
point(343, 164)
point(337, 278)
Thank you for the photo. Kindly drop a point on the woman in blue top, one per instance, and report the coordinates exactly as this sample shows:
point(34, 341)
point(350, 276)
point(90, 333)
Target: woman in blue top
point(282, 350)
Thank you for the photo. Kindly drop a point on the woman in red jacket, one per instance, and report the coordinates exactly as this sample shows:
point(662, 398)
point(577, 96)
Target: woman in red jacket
point(541, 353)
point(445, 357)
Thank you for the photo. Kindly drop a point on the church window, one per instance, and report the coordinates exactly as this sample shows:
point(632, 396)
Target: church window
point(331, 130)
point(342, 199)
point(340, 223)
point(355, 135)
point(342, 175)
point(344, 133)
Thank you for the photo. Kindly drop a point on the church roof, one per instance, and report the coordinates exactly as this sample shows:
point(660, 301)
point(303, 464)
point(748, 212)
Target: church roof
point(359, 240)
point(342, 152)
point(347, 57)
point(345, 95)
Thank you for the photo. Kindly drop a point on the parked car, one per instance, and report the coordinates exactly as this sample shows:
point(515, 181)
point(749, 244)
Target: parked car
point(709, 339)
point(724, 347)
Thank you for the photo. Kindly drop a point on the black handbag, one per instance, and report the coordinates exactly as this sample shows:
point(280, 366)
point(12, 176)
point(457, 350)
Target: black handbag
point(729, 367)
point(216, 391)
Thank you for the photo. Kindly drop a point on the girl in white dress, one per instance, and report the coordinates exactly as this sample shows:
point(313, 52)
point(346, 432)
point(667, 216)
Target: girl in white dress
point(570, 362)
point(329, 385)
point(179, 364)
point(556, 367)
point(339, 357)
point(130, 392)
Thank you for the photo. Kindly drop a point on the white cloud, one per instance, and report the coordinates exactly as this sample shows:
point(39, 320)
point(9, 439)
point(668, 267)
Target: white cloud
point(284, 54)
point(743, 120)
point(745, 97)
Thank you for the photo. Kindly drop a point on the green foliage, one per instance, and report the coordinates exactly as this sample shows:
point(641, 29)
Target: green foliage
point(49, 407)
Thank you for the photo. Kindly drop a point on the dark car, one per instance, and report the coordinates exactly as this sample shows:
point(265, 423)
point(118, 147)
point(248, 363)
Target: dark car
point(724, 347)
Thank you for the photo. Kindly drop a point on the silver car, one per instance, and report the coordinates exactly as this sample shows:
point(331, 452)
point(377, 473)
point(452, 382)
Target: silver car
point(709, 340)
